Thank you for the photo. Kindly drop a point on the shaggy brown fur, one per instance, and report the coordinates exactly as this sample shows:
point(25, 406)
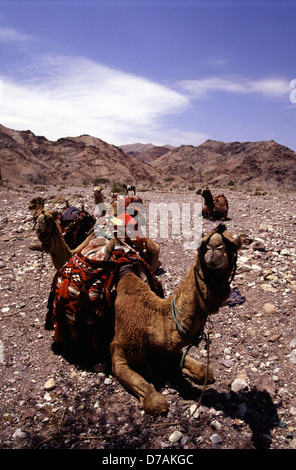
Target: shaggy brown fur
point(145, 327)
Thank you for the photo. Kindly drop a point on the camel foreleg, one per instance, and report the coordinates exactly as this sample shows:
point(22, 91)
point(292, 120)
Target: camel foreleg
point(197, 371)
point(153, 402)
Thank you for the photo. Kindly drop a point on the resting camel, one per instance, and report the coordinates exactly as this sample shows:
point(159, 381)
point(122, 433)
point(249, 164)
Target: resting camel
point(148, 329)
point(128, 188)
point(52, 242)
point(74, 224)
point(216, 207)
point(98, 195)
point(148, 326)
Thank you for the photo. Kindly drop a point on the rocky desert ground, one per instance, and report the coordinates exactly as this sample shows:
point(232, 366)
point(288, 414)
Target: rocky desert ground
point(48, 403)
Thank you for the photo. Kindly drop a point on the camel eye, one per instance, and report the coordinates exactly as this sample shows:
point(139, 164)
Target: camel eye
point(220, 247)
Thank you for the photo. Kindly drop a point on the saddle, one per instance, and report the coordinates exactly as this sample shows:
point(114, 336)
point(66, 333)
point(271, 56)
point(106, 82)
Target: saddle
point(80, 307)
point(75, 225)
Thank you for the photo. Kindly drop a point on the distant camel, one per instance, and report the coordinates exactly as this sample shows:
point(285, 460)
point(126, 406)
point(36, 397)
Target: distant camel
point(216, 207)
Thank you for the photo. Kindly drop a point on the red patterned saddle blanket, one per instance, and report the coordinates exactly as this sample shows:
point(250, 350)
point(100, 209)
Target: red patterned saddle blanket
point(81, 301)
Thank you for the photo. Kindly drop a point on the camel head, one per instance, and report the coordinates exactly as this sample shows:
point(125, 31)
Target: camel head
point(218, 250)
point(207, 195)
point(98, 195)
point(36, 205)
point(46, 227)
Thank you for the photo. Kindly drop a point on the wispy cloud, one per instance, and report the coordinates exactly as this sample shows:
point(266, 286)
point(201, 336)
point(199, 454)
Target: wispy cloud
point(12, 36)
point(72, 95)
point(266, 87)
point(68, 96)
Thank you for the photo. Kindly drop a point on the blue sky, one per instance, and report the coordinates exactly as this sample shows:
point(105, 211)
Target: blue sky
point(161, 71)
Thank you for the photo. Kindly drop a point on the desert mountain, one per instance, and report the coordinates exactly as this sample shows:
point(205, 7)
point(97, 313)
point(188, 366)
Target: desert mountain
point(263, 163)
point(25, 157)
point(146, 152)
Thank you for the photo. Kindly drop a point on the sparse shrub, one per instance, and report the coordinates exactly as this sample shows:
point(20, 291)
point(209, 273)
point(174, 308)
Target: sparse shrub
point(98, 181)
point(117, 187)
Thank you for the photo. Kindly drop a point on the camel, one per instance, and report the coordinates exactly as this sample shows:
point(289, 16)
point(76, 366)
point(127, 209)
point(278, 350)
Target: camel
point(148, 328)
point(36, 205)
point(52, 242)
point(216, 207)
point(98, 195)
point(74, 224)
point(128, 188)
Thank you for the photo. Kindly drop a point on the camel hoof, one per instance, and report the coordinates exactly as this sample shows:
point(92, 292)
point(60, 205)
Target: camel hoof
point(203, 374)
point(155, 404)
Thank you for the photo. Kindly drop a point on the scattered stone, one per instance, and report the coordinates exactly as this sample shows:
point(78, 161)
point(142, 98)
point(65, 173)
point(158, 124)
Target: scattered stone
point(108, 381)
point(285, 252)
point(257, 246)
point(274, 338)
point(216, 425)
point(265, 383)
point(268, 288)
point(293, 444)
point(216, 439)
point(238, 385)
point(194, 411)
point(19, 434)
point(175, 436)
point(227, 362)
point(269, 308)
point(184, 441)
point(292, 357)
point(50, 385)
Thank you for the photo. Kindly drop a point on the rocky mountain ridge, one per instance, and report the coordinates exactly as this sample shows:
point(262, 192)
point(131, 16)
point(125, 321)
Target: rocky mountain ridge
point(146, 152)
point(243, 163)
point(27, 158)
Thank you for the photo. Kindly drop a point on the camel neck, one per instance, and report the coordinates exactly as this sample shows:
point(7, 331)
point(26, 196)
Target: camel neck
point(198, 296)
point(191, 303)
point(60, 253)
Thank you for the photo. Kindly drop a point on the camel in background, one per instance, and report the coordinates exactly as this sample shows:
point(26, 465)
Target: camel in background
point(216, 207)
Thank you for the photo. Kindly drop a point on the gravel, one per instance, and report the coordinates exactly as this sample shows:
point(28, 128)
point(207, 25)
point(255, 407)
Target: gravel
point(48, 403)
